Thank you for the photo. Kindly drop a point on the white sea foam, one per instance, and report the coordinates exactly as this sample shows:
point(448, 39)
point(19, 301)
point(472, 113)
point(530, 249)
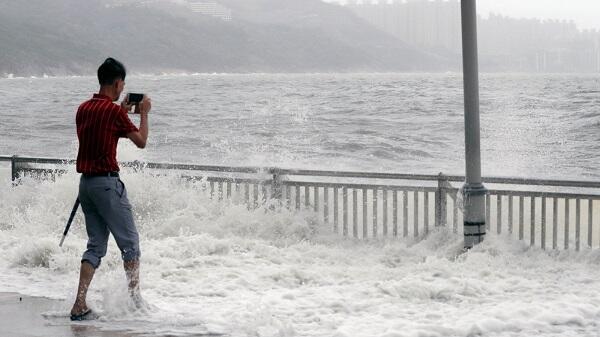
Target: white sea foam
point(210, 266)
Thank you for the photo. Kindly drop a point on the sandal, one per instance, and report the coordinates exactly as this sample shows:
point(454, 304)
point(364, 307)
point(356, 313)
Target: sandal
point(86, 315)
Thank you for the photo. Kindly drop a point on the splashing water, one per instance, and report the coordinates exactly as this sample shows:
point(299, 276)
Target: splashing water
point(216, 266)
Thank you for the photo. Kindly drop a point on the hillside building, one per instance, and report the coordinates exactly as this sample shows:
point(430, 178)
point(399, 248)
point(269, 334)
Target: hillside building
point(213, 9)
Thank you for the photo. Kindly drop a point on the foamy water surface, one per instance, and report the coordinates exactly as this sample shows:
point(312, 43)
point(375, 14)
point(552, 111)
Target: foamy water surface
point(209, 266)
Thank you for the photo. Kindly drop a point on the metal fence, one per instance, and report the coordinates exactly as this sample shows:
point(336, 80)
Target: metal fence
point(550, 214)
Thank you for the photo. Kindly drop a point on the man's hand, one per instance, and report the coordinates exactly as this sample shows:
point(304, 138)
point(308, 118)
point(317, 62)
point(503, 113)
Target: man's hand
point(144, 106)
point(126, 106)
point(140, 137)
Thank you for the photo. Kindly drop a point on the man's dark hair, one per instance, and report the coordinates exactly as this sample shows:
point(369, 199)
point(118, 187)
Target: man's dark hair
point(110, 71)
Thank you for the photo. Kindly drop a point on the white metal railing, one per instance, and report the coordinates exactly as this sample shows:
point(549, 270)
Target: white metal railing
point(550, 214)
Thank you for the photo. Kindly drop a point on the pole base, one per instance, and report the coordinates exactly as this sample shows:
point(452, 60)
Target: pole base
point(474, 233)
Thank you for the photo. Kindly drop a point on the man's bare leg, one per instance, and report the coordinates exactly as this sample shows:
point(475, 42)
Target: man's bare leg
point(86, 274)
point(132, 271)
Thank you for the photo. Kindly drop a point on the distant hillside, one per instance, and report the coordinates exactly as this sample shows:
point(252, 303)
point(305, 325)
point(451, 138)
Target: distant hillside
point(72, 36)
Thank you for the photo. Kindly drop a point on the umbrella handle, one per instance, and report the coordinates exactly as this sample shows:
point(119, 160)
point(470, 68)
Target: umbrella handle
point(69, 222)
point(62, 240)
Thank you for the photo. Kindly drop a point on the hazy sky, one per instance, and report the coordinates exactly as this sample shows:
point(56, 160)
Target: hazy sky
point(586, 13)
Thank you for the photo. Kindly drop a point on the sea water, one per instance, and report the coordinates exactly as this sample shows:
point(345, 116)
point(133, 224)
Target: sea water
point(221, 268)
point(531, 125)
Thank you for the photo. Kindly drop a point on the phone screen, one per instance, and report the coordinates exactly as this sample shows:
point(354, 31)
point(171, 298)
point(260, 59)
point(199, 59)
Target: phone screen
point(134, 98)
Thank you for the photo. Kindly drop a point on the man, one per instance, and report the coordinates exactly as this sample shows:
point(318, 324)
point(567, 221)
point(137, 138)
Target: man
point(100, 124)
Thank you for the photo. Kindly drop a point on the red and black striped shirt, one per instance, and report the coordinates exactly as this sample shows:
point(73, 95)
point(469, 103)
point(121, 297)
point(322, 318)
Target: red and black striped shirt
point(100, 124)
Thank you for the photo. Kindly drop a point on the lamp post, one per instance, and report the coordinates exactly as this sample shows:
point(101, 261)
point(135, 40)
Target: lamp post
point(474, 191)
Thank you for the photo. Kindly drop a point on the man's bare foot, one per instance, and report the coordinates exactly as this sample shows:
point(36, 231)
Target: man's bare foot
point(79, 309)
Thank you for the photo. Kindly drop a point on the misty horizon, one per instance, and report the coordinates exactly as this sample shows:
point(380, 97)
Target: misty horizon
point(268, 36)
point(583, 12)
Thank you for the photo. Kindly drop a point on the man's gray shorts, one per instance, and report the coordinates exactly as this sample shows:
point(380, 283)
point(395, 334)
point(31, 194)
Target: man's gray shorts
point(107, 209)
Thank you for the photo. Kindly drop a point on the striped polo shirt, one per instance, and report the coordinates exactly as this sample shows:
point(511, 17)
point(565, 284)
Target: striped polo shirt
point(100, 124)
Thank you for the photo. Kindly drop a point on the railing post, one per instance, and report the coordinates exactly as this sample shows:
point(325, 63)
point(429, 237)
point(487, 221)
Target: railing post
point(277, 185)
point(441, 200)
point(14, 168)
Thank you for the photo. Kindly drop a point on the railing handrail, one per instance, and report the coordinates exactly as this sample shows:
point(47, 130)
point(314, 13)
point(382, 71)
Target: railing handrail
point(321, 173)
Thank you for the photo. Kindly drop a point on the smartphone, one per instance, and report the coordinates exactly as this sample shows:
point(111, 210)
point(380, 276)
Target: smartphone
point(133, 98)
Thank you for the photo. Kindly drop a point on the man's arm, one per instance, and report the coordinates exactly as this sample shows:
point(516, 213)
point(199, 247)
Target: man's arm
point(140, 137)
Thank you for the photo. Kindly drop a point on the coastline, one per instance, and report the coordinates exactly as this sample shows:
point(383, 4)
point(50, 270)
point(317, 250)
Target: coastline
point(24, 316)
